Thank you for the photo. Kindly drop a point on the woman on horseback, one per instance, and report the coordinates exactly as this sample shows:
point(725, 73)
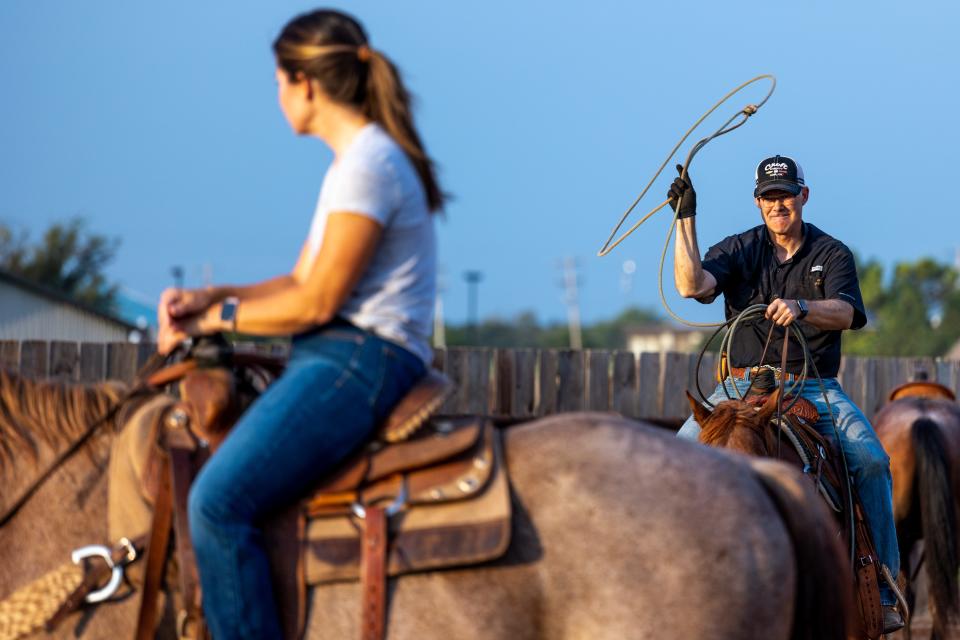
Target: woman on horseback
point(358, 304)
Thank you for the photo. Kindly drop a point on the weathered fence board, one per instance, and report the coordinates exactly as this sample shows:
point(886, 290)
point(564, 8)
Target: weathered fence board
point(598, 380)
point(121, 361)
point(524, 388)
point(92, 362)
point(10, 354)
point(650, 383)
point(624, 390)
point(677, 378)
point(570, 380)
point(505, 376)
point(547, 387)
point(519, 384)
point(65, 360)
point(33, 358)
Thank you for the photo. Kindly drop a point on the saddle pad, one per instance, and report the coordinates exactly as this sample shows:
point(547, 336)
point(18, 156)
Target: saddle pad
point(427, 536)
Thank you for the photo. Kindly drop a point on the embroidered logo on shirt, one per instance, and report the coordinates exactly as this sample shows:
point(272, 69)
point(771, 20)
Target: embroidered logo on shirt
point(818, 267)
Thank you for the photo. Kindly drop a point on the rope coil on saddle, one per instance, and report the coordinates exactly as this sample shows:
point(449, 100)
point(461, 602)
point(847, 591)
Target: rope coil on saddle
point(744, 115)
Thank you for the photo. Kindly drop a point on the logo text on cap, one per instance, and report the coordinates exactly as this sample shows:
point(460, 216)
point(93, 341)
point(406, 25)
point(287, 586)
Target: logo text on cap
point(775, 169)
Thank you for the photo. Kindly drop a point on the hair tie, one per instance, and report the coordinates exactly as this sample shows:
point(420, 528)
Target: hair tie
point(364, 53)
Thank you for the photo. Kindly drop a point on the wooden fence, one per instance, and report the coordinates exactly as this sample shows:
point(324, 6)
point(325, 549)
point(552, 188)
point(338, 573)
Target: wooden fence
point(520, 383)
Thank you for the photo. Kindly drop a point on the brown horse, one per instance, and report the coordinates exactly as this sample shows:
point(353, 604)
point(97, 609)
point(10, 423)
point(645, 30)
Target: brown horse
point(921, 434)
point(747, 427)
point(620, 531)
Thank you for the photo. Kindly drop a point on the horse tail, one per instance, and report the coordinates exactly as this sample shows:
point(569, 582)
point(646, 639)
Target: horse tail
point(938, 519)
point(823, 599)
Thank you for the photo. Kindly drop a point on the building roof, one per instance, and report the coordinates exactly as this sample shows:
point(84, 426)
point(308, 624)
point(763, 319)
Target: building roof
point(61, 298)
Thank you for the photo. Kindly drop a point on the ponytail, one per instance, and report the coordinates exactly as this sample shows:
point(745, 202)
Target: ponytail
point(389, 104)
point(331, 48)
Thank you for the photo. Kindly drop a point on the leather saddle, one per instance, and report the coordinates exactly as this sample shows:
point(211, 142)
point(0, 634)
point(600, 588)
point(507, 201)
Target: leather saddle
point(820, 459)
point(424, 493)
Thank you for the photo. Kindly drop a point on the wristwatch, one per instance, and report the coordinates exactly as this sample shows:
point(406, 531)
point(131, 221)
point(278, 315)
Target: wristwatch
point(228, 312)
point(804, 310)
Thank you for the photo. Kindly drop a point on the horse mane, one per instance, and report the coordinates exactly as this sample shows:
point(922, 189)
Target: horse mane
point(735, 425)
point(34, 412)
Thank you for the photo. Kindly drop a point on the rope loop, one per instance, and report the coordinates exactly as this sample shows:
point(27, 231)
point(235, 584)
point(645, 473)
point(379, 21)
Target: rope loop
point(728, 126)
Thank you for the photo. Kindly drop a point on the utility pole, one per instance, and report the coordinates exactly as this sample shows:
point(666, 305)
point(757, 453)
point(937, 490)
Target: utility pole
point(473, 279)
point(573, 304)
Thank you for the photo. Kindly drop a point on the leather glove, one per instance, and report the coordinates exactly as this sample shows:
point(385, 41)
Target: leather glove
point(683, 187)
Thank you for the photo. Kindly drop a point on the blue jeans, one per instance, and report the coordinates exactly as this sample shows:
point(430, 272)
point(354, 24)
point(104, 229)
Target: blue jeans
point(340, 383)
point(867, 462)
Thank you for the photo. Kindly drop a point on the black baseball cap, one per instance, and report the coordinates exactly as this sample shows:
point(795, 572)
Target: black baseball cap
point(778, 172)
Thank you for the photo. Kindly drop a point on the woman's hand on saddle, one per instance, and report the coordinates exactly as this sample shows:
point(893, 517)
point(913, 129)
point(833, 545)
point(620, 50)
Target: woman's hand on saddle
point(177, 315)
point(169, 332)
point(187, 302)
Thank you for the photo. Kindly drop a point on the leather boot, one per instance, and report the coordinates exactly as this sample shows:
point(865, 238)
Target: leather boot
point(892, 620)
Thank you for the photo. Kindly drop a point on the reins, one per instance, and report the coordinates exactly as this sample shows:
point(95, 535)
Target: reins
point(728, 126)
point(755, 312)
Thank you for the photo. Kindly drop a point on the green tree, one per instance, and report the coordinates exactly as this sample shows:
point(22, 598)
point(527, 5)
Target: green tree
point(525, 331)
point(68, 259)
point(917, 313)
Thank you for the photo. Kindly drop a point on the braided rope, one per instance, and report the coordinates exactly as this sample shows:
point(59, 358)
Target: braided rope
point(28, 609)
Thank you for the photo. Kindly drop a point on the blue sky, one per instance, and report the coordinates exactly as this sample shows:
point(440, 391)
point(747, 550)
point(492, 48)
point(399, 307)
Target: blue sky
point(158, 122)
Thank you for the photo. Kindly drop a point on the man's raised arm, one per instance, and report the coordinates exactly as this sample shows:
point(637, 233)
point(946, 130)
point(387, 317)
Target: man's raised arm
point(688, 273)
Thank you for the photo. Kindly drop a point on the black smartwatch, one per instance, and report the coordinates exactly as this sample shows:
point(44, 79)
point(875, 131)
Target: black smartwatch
point(804, 310)
point(228, 312)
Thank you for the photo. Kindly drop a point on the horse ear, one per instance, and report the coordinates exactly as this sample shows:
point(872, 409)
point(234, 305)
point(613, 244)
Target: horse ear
point(700, 412)
point(770, 406)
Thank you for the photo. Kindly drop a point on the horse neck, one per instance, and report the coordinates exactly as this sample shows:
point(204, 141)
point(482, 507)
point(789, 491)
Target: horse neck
point(738, 429)
point(47, 415)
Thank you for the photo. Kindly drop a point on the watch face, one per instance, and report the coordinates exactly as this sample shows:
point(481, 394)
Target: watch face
point(228, 310)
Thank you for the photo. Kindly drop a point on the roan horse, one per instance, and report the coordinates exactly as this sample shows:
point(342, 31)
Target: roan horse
point(619, 531)
point(920, 430)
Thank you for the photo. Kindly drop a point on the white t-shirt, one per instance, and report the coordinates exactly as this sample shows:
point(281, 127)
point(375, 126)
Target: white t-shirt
point(395, 296)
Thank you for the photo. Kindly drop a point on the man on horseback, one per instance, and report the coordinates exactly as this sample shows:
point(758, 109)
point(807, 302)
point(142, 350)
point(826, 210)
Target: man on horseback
point(805, 276)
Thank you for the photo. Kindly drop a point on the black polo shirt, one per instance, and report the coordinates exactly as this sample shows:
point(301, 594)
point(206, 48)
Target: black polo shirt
point(748, 272)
